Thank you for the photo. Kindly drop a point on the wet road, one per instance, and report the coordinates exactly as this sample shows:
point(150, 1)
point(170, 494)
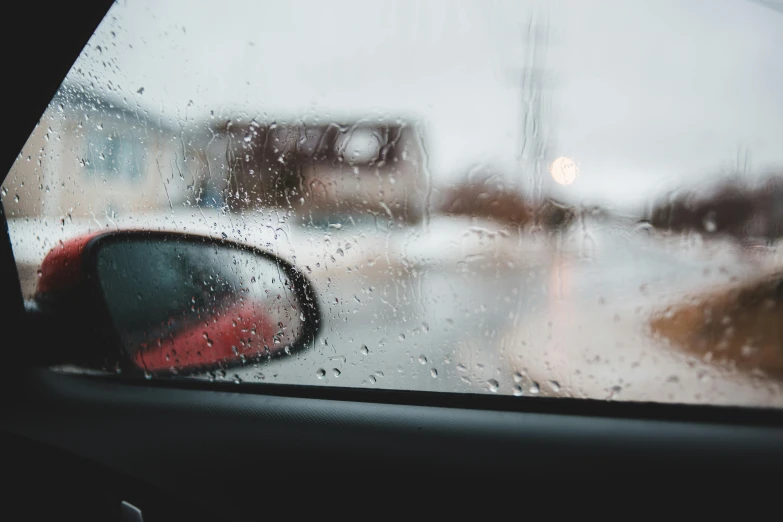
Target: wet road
point(465, 308)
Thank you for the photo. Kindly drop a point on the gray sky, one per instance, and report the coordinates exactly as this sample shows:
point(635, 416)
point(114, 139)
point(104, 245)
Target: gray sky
point(645, 95)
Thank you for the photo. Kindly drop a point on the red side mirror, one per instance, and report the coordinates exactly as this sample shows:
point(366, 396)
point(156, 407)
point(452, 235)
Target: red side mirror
point(175, 303)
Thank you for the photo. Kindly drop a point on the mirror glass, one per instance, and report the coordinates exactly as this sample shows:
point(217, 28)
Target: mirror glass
point(189, 304)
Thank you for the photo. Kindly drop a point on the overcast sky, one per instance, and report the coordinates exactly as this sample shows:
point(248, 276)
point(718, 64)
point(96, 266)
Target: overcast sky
point(644, 95)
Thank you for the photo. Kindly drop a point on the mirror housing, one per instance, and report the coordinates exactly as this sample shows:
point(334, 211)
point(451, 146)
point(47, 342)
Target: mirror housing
point(168, 303)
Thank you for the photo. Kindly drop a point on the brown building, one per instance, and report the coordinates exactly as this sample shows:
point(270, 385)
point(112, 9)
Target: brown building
point(320, 173)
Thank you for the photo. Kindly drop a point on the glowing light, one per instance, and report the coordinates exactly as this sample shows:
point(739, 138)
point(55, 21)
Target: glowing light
point(564, 170)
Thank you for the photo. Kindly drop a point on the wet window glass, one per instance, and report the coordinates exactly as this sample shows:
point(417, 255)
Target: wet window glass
point(532, 198)
point(113, 155)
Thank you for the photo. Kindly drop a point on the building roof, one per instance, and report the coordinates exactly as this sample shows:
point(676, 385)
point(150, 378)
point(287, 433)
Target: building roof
point(89, 100)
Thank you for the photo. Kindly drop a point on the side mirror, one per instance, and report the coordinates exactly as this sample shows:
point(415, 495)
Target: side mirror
point(170, 303)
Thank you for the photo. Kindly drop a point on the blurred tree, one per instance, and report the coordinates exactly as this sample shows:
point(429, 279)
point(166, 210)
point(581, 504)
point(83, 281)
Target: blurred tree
point(490, 198)
point(740, 210)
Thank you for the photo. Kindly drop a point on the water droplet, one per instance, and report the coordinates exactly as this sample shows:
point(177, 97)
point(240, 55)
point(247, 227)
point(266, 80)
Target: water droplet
point(494, 385)
point(321, 373)
point(422, 359)
point(434, 373)
point(534, 389)
point(555, 386)
point(643, 226)
point(336, 372)
point(517, 391)
point(364, 350)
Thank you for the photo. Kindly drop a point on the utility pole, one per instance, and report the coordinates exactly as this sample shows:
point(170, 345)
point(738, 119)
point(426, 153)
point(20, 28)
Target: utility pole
point(535, 105)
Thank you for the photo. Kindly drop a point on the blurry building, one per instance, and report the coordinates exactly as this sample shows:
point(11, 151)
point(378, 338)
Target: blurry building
point(320, 174)
point(93, 156)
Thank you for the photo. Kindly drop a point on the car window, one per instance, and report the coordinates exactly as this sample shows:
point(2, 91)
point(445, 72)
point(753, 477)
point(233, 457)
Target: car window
point(562, 199)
